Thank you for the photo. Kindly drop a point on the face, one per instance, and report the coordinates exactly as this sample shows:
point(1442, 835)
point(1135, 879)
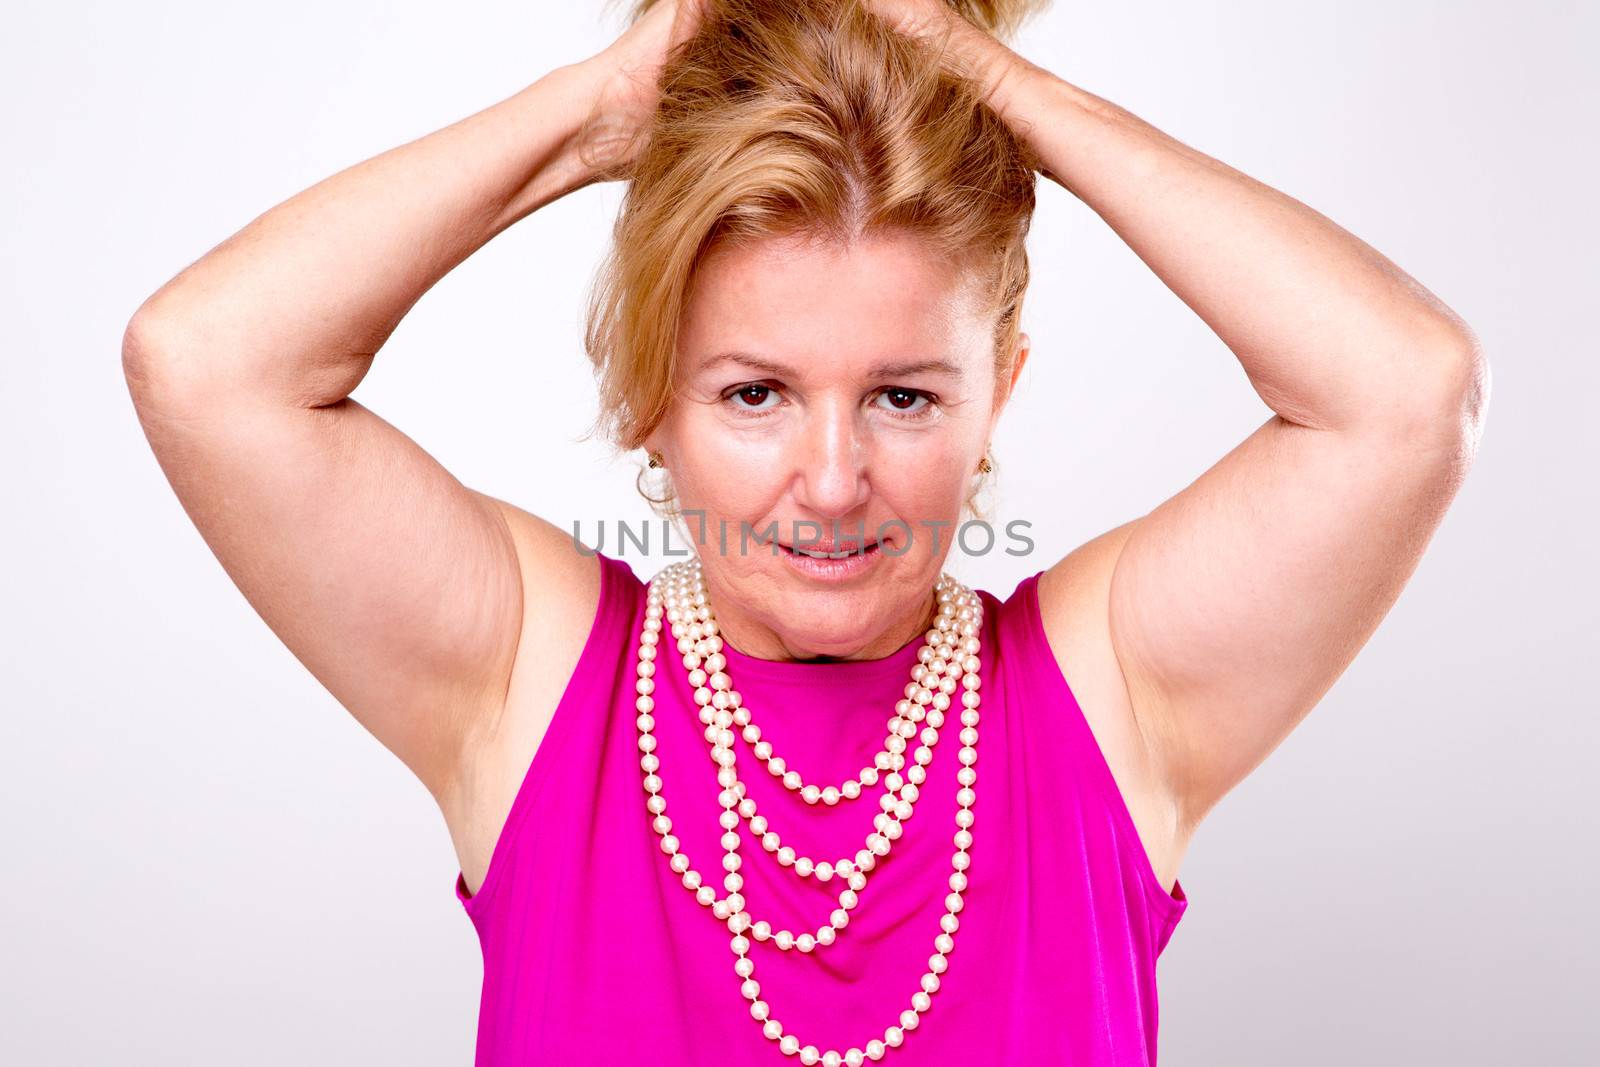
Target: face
point(828, 394)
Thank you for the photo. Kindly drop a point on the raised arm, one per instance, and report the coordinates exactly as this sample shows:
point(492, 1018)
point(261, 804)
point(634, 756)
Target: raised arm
point(401, 590)
point(1233, 606)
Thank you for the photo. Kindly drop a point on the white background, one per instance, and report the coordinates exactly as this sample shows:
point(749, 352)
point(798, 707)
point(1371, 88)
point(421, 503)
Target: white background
point(206, 860)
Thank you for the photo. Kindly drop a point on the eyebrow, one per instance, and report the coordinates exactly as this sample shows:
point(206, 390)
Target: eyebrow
point(892, 369)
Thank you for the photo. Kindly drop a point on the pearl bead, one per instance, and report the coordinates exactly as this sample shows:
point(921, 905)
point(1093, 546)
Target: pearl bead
point(948, 663)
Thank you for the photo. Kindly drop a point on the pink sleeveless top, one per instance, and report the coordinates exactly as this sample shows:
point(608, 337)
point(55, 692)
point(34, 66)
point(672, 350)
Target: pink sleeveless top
point(594, 952)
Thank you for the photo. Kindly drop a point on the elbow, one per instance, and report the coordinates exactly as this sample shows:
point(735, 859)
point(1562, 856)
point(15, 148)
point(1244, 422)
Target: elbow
point(1449, 401)
point(150, 363)
point(1463, 402)
point(1475, 394)
point(138, 355)
point(161, 363)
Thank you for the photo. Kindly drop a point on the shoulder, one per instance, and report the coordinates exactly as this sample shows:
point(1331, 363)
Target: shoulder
point(1074, 610)
point(571, 595)
point(567, 586)
point(576, 603)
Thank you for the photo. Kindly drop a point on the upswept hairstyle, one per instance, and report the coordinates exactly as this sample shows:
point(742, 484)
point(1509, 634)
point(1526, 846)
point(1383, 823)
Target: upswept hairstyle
point(783, 117)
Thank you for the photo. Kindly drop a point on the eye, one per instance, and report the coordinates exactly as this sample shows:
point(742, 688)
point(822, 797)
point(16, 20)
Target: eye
point(903, 403)
point(755, 392)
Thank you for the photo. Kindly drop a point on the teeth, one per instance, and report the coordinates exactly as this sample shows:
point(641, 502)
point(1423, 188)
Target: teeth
point(826, 555)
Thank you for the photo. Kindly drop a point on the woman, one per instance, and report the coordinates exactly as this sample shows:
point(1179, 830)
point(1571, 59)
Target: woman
point(811, 324)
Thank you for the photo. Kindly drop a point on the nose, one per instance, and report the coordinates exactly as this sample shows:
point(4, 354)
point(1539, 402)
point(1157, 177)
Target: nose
point(832, 476)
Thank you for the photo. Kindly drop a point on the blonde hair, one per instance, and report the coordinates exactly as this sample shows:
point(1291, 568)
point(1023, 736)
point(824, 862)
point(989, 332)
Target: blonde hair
point(782, 118)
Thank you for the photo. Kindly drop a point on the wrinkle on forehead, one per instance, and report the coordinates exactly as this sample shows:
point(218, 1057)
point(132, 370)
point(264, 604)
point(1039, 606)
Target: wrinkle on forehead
point(887, 298)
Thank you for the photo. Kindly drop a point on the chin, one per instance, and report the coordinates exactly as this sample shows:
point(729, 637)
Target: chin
point(810, 643)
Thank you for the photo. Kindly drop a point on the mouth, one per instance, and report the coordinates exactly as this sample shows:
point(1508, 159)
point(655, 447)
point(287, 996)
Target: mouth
point(831, 561)
point(829, 549)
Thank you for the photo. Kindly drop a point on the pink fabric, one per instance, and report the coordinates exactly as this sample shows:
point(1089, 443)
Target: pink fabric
point(595, 952)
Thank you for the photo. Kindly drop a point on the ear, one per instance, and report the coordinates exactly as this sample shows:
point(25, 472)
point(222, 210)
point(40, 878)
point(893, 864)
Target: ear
point(1024, 346)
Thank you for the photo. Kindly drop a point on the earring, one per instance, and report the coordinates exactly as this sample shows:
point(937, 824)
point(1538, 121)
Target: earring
point(984, 466)
point(657, 460)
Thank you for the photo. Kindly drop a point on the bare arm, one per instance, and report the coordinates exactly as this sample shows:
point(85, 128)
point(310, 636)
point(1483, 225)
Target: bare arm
point(397, 587)
point(400, 589)
point(1236, 604)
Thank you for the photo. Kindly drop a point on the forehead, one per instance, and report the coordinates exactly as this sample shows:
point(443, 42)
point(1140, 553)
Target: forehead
point(801, 300)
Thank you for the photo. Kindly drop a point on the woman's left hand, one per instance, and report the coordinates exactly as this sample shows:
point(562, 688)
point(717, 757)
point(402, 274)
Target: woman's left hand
point(971, 51)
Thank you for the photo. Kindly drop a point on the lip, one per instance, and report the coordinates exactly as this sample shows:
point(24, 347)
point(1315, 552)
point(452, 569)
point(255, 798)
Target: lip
point(859, 561)
point(830, 546)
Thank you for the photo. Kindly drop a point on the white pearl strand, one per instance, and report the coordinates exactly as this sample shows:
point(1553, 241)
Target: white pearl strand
point(723, 707)
point(951, 649)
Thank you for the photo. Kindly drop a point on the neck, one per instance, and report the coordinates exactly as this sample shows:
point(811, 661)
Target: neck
point(759, 641)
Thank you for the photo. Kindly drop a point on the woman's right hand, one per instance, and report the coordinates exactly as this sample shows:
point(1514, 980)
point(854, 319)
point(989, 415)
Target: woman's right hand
point(626, 77)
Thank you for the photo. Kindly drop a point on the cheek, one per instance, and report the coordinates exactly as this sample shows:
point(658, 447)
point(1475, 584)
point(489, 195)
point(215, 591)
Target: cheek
point(923, 480)
point(726, 474)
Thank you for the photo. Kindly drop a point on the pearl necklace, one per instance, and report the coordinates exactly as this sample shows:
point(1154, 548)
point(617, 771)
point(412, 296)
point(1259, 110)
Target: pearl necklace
point(947, 662)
